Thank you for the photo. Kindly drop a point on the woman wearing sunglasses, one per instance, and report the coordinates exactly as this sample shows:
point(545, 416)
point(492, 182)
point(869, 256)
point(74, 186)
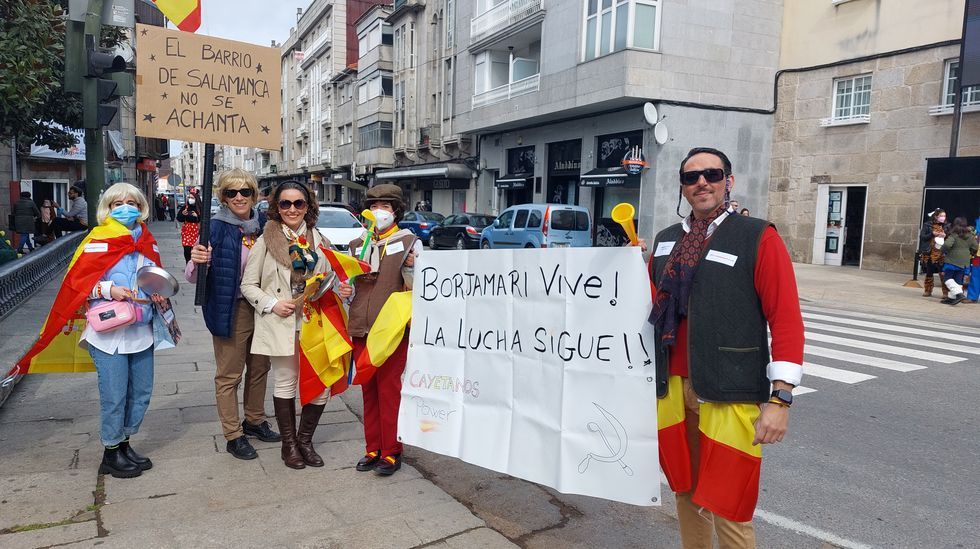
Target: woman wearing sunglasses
point(233, 232)
point(284, 257)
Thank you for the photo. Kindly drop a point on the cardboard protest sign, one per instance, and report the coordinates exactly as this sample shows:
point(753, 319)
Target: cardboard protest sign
point(538, 364)
point(199, 88)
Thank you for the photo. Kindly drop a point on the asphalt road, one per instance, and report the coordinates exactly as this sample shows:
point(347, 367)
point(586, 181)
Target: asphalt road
point(883, 451)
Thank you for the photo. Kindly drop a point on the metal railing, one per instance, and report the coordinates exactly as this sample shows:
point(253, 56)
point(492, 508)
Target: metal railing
point(507, 91)
point(21, 278)
point(502, 16)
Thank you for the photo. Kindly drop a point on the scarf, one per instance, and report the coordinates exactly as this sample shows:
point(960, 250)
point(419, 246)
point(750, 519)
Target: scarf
point(287, 248)
point(250, 227)
point(674, 290)
point(100, 250)
point(379, 246)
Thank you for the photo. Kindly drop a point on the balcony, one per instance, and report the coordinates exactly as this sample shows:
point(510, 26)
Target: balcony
point(507, 91)
point(313, 50)
point(326, 157)
point(503, 15)
point(302, 130)
point(429, 136)
point(303, 161)
point(846, 120)
point(325, 117)
point(303, 96)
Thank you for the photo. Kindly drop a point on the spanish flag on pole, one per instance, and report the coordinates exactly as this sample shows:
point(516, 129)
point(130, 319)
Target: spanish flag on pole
point(57, 350)
point(346, 266)
point(325, 347)
point(729, 465)
point(186, 14)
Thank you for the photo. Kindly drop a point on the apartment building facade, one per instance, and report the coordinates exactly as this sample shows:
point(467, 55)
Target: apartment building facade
point(433, 161)
point(857, 120)
point(555, 92)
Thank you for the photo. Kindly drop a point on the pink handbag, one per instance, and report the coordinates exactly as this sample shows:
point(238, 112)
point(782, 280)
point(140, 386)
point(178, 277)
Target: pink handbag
point(112, 315)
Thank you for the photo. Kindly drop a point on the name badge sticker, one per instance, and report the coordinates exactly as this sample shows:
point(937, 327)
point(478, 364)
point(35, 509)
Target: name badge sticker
point(95, 247)
point(722, 257)
point(664, 248)
point(395, 248)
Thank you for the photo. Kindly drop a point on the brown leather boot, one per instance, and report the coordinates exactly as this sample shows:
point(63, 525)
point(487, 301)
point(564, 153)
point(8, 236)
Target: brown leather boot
point(286, 418)
point(308, 420)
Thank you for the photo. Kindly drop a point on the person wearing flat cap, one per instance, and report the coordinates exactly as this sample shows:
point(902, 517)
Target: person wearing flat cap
point(391, 254)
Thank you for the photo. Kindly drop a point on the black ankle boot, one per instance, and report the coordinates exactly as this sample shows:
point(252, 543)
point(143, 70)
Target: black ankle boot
point(116, 463)
point(142, 462)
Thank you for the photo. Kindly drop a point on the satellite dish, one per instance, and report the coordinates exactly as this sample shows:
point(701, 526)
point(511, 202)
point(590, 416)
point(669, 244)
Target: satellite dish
point(650, 113)
point(660, 133)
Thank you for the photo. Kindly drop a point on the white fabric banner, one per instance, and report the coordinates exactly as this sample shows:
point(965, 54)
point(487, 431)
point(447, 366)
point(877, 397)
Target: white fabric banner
point(538, 364)
point(75, 152)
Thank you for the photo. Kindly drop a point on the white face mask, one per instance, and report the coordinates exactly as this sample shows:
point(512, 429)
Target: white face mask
point(191, 201)
point(384, 218)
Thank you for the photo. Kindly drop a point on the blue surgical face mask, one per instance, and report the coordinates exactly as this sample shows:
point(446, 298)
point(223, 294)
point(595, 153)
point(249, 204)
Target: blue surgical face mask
point(125, 214)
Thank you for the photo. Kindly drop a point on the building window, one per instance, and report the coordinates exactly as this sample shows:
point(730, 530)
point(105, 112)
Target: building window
point(614, 25)
point(375, 86)
point(374, 136)
point(450, 13)
point(971, 95)
point(852, 99)
point(376, 35)
point(447, 108)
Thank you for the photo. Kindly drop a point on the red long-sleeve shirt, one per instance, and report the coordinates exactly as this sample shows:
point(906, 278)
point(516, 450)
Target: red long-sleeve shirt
point(775, 283)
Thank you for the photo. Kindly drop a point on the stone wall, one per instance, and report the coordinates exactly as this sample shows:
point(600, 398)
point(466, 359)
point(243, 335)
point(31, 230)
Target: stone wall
point(888, 154)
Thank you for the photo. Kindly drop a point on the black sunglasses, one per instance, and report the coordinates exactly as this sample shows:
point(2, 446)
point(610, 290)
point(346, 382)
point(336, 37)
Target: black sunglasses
point(298, 204)
point(230, 193)
point(711, 175)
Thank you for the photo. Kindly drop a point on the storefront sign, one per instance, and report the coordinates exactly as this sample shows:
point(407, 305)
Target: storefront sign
point(75, 152)
point(520, 160)
point(611, 149)
point(200, 88)
point(565, 158)
point(443, 184)
point(633, 162)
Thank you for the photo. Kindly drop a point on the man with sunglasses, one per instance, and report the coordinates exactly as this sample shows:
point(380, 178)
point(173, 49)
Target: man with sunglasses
point(719, 279)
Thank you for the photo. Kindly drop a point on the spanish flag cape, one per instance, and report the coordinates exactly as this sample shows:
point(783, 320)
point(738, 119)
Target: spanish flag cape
point(324, 346)
point(384, 336)
point(186, 14)
point(729, 465)
point(101, 249)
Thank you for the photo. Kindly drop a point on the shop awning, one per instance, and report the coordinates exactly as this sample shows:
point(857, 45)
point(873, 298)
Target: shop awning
point(439, 171)
point(513, 181)
point(609, 177)
point(344, 182)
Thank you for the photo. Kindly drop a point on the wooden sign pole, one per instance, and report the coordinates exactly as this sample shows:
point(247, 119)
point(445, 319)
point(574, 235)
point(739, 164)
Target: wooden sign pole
point(200, 292)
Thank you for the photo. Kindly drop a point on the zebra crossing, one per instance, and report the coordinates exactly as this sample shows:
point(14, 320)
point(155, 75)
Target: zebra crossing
point(837, 341)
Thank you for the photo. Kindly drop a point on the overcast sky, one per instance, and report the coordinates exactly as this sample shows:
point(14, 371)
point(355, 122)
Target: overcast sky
point(256, 21)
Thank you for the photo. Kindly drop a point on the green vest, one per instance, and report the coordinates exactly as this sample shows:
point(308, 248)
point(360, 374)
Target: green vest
point(728, 349)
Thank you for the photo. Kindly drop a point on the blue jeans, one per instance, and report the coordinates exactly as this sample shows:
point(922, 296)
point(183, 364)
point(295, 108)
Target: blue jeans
point(25, 240)
point(125, 386)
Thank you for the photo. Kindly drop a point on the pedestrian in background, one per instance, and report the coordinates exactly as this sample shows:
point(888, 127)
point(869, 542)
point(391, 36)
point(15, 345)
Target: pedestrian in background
point(190, 217)
point(959, 248)
point(284, 257)
point(105, 267)
point(931, 239)
point(745, 212)
point(391, 254)
point(76, 218)
point(26, 216)
point(234, 230)
point(161, 212)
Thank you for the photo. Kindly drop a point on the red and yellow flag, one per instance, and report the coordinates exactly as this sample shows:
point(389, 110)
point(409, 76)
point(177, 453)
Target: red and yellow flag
point(325, 347)
point(186, 14)
point(729, 465)
point(346, 266)
point(384, 337)
point(56, 350)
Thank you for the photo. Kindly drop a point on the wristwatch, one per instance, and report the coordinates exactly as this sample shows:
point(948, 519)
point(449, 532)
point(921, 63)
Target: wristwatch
point(783, 396)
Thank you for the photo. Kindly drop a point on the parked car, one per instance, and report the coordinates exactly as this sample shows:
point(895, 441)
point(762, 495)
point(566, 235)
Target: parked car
point(460, 231)
point(347, 207)
point(215, 205)
point(420, 223)
point(539, 226)
point(339, 226)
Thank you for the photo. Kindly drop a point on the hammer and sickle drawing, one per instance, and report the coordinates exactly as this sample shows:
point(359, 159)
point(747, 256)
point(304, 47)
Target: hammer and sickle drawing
point(615, 454)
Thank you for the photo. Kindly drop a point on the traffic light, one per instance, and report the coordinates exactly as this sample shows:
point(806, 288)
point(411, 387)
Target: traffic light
point(98, 64)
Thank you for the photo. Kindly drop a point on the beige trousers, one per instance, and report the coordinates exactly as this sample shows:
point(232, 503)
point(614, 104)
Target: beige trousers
point(232, 357)
point(698, 526)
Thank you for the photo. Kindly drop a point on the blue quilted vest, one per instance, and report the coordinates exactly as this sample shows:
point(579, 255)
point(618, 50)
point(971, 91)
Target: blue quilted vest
point(224, 277)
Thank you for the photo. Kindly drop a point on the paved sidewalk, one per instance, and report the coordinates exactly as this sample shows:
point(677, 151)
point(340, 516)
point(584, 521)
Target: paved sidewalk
point(196, 495)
